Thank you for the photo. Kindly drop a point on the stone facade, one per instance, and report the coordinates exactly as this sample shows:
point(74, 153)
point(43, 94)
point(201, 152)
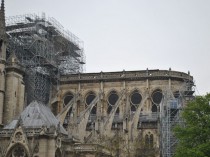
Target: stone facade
point(38, 133)
point(125, 106)
point(104, 114)
point(15, 88)
point(3, 44)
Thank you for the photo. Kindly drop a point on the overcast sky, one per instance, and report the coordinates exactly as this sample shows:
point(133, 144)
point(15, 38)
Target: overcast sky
point(135, 34)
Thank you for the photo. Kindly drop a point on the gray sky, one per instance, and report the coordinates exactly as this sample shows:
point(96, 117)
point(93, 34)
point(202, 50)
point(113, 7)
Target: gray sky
point(135, 34)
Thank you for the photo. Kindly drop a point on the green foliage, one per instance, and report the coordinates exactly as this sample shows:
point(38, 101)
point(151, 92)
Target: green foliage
point(194, 135)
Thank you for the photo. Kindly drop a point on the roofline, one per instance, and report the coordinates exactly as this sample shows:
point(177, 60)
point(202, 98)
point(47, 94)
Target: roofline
point(155, 74)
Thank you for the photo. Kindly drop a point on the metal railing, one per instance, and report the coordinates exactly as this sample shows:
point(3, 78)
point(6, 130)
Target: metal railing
point(149, 117)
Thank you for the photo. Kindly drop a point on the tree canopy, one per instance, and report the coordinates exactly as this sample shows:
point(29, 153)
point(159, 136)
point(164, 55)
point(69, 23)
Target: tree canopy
point(194, 135)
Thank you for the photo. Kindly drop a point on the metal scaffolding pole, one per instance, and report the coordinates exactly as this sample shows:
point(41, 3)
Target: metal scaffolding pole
point(46, 50)
point(170, 116)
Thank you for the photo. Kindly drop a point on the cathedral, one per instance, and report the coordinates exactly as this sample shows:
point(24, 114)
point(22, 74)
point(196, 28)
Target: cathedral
point(49, 110)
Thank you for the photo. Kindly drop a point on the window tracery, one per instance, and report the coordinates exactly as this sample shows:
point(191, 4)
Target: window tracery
point(89, 98)
point(112, 99)
point(67, 99)
point(135, 100)
point(157, 96)
point(92, 117)
point(18, 136)
point(18, 151)
point(149, 140)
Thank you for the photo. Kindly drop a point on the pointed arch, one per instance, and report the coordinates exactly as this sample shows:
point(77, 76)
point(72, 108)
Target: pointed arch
point(135, 99)
point(89, 97)
point(112, 98)
point(156, 97)
point(18, 150)
point(58, 153)
point(149, 140)
point(67, 97)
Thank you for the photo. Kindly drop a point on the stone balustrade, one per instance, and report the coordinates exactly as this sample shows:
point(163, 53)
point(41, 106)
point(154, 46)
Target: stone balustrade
point(126, 75)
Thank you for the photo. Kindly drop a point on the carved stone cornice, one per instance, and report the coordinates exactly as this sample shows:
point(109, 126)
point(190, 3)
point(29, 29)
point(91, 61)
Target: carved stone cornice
point(126, 75)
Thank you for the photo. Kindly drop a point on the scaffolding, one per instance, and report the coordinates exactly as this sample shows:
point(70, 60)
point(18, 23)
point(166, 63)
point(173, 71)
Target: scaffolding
point(46, 50)
point(170, 116)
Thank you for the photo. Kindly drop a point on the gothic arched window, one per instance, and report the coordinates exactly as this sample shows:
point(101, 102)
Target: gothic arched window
point(135, 100)
point(156, 99)
point(18, 151)
point(1, 43)
point(112, 99)
point(57, 153)
point(149, 140)
point(67, 98)
point(67, 118)
point(89, 98)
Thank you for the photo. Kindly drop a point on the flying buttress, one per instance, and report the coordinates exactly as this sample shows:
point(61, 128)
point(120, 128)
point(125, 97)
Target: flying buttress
point(83, 118)
point(110, 118)
point(135, 118)
point(62, 115)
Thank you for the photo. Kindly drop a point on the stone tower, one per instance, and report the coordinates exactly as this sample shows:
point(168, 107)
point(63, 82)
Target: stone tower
point(14, 90)
point(3, 42)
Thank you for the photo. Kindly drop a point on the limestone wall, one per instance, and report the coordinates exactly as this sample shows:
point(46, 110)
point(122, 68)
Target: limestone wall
point(14, 96)
point(133, 116)
point(2, 90)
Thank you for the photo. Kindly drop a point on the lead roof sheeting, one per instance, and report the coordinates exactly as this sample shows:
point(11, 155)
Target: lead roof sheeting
point(11, 125)
point(37, 115)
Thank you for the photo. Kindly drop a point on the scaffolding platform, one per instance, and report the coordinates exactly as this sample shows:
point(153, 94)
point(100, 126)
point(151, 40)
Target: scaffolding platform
point(46, 50)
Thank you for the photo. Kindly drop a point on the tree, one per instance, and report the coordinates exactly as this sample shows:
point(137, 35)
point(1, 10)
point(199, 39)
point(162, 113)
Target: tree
point(194, 135)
